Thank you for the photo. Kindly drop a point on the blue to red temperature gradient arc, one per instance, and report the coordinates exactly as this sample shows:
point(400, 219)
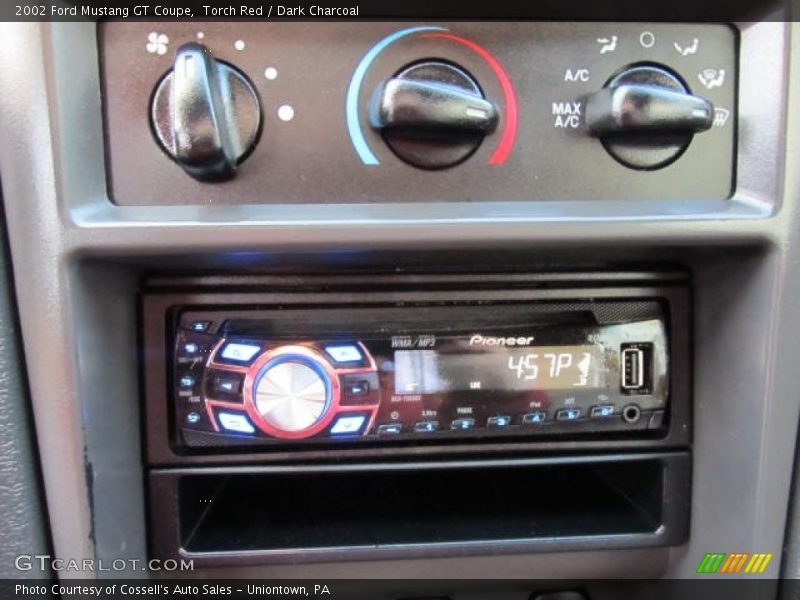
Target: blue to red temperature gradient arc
point(362, 148)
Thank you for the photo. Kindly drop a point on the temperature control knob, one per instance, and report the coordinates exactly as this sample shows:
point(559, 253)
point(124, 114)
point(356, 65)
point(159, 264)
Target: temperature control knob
point(205, 114)
point(432, 114)
point(646, 116)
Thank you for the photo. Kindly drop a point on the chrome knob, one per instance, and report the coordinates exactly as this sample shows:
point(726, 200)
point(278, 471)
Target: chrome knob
point(292, 393)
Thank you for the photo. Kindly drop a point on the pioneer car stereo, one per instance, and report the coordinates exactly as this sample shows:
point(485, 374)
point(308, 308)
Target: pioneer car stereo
point(257, 373)
point(283, 376)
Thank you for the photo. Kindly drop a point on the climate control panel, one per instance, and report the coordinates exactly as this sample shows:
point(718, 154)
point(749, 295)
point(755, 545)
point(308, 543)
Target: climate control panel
point(353, 112)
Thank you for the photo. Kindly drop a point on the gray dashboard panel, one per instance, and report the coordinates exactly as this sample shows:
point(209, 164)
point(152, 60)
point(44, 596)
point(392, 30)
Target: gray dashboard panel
point(21, 501)
point(78, 259)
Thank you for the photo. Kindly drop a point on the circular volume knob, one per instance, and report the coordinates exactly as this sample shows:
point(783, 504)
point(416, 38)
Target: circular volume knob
point(432, 114)
point(205, 114)
point(646, 116)
point(293, 392)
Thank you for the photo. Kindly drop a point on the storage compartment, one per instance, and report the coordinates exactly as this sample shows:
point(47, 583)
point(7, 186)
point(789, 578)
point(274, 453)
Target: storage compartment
point(364, 510)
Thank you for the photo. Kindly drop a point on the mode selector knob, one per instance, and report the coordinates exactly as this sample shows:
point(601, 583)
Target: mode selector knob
point(646, 116)
point(205, 114)
point(432, 114)
point(292, 392)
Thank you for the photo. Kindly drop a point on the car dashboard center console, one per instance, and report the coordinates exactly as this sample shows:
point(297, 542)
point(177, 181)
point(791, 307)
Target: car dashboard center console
point(382, 393)
point(460, 298)
point(447, 376)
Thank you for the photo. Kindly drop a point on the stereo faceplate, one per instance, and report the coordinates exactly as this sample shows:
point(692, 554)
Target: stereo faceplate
point(418, 372)
point(335, 372)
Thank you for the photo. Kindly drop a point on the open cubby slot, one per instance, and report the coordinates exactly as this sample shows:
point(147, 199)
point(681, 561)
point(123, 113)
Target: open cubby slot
point(410, 505)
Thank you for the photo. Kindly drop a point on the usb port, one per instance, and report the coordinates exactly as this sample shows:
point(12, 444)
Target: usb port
point(637, 368)
point(632, 368)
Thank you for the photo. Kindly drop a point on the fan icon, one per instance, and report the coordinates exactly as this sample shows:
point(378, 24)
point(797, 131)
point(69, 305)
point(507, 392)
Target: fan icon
point(157, 43)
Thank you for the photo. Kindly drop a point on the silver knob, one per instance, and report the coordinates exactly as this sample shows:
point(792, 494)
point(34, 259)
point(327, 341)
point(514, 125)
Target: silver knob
point(205, 114)
point(291, 396)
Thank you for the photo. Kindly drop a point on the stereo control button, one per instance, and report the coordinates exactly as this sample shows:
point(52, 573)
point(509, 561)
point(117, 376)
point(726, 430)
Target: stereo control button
point(534, 418)
point(348, 425)
point(356, 389)
point(239, 352)
point(360, 389)
point(235, 422)
point(199, 326)
point(426, 426)
point(344, 353)
point(498, 422)
point(568, 414)
point(227, 384)
point(187, 381)
point(193, 418)
point(603, 411)
point(292, 393)
point(462, 424)
point(390, 429)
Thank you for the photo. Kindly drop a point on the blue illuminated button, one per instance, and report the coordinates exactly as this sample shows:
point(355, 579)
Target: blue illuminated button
point(193, 418)
point(239, 352)
point(498, 422)
point(187, 381)
point(534, 418)
point(199, 326)
point(568, 414)
point(390, 429)
point(235, 422)
point(462, 424)
point(426, 426)
point(349, 424)
point(344, 353)
point(191, 348)
point(603, 411)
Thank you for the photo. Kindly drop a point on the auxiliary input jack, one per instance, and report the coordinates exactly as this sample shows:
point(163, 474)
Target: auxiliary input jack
point(631, 413)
